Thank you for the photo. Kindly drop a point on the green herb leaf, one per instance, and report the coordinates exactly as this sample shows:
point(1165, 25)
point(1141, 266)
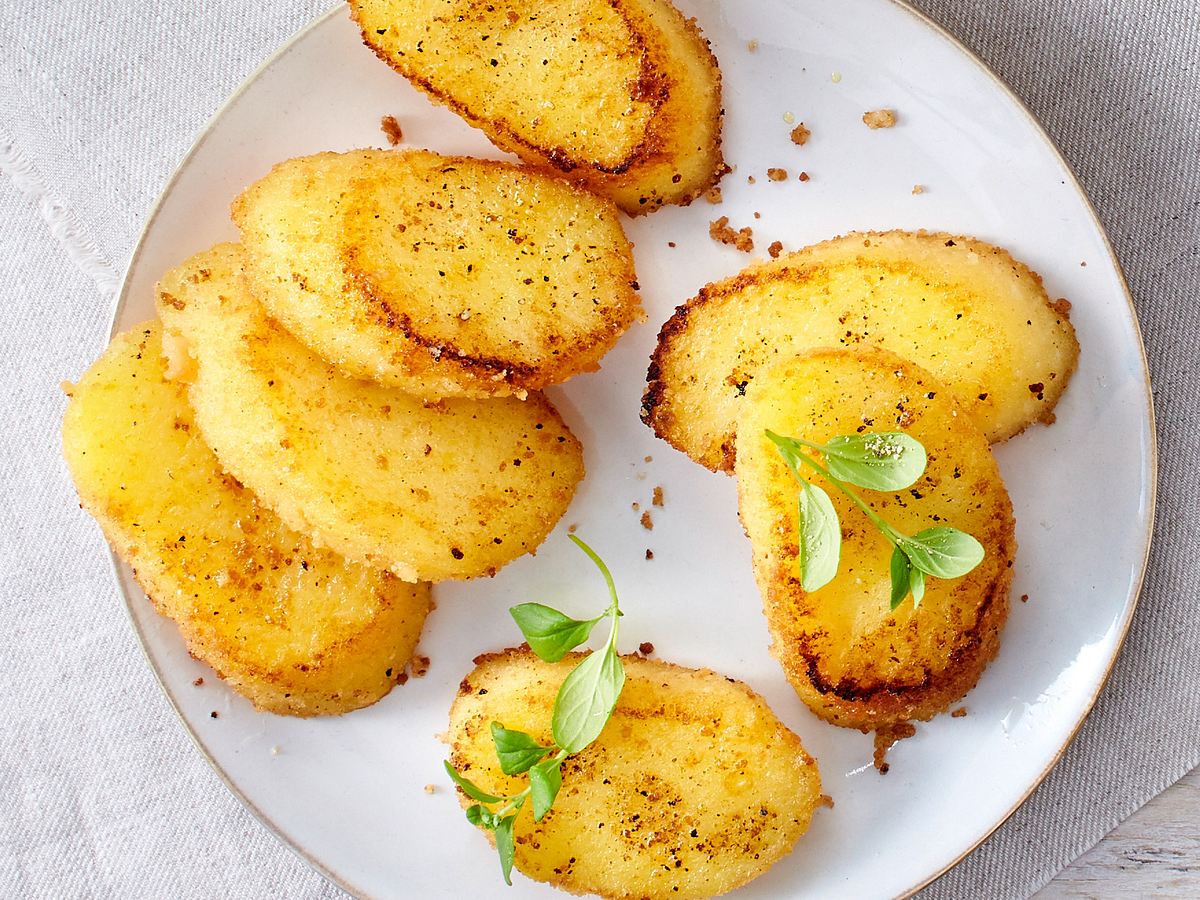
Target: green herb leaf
point(469, 789)
point(479, 815)
point(545, 779)
point(586, 700)
point(882, 461)
point(916, 584)
point(516, 750)
point(820, 537)
point(504, 846)
point(943, 552)
point(901, 576)
point(550, 634)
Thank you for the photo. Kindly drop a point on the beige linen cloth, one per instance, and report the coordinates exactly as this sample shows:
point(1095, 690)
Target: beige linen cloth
point(102, 794)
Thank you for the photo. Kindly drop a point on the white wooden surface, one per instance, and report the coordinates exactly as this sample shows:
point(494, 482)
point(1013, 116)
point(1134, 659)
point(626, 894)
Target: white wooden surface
point(1153, 853)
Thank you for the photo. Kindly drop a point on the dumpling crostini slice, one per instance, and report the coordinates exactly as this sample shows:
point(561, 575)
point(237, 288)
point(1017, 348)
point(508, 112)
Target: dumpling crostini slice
point(442, 276)
point(432, 491)
point(693, 788)
point(623, 96)
point(976, 318)
point(850, 657)
point(294, 628)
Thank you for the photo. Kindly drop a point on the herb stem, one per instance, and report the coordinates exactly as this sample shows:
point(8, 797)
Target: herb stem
point(608, 579)
point(893, 536)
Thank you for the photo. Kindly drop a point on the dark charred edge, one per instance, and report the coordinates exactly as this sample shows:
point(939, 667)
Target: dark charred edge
point(494, 369)
point(555, 157)
point(795, 266)
point(962, 658)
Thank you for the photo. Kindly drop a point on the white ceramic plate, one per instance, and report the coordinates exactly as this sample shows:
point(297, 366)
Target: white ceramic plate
point(347, 792)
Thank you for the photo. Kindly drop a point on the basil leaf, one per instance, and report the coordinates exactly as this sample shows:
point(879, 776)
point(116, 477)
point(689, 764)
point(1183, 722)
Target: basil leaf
point(902, 572)
point(916, 583)
point(882, 461)
point(516, 750)
point(819, 537)
point(479, 815)
point(545, 779)
point(550, 634)
point(586, 700)
point(943, 552)
point(504, 846)
point(469, 789)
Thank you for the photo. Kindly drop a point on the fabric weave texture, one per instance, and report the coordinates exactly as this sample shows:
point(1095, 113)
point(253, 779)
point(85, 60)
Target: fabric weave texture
point(102, 794)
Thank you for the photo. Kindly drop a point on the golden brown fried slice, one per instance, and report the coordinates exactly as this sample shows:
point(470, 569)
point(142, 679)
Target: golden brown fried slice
point(452, 489)
point(854, 661)
point(295, 629)
point(692, 789)
point(442, 276)
point(623, 96)
point(968, 312)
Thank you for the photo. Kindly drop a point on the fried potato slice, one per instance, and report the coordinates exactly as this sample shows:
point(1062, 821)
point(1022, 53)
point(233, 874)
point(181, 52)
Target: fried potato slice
point(692, 789)
point(452, 489)
point(442, 276)
point(853, 660)
point(968, 312)
point(623, 96)
point(295, 629)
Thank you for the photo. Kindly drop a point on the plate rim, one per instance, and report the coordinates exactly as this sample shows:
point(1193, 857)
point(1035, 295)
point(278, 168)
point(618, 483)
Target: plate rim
point(121, 299)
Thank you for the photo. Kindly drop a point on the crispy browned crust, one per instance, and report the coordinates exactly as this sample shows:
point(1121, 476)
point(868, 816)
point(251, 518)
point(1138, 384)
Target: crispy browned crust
point(656, 412)
point(852, 704)
point(653, 86)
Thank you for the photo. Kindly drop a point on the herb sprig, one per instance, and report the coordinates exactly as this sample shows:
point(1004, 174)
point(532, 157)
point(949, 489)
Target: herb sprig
point(880, 461)
point(585, 702)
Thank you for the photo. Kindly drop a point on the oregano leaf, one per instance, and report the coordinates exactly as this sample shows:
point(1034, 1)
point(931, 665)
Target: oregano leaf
point(545, 780)
point(551, 635)
point(516, 750)
point(468, 788)
point(504, 846)
point(943, 552)
point(819, 537)
point(901, 570)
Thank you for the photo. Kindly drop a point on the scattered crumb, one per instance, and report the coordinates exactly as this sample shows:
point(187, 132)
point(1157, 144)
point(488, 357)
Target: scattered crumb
point(276, 750)
point(742, 239)
point(775, 249)
point(836, 77)
point(649, 553)
point(777, 174)
point(800, 135)
point(647, 522)
point(752, 46)
point(918, 189)
point(214, 714)
point(1062, 306)
point(1084, 264)
point(635, 506)
point(442, 737)
point(879, 118)
point(750, 179)
point(825, 801)
point(886, 738)
point(658, 496)
point(1024, 598)
point(713, 195)
point(803, 176)
point(420, 666)
point(645, 648)
point(757, 214)
point(402, 678)
point(959, 713)
point(641, 476)
point(572, 528)
point(670, 243)
point(391, 130)
point(648, 459)
point(67, 388)
point(789, 117)
point(429, 788)
point(199, 682)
